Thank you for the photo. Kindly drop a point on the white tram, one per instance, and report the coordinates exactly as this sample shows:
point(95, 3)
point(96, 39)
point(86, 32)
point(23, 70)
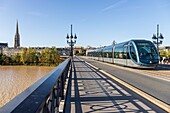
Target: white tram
point(133, 53)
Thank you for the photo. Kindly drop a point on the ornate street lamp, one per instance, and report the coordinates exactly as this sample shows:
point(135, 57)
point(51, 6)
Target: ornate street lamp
point(157, 39)
point(71, 42)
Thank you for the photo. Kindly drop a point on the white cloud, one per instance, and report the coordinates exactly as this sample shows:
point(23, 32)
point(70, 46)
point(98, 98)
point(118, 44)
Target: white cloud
point(115, 5)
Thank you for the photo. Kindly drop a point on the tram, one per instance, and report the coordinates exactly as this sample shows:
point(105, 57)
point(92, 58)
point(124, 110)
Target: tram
point(133, 53)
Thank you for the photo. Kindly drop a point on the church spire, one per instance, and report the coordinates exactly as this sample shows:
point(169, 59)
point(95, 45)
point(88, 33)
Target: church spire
point(17, 37)
point(17, 32)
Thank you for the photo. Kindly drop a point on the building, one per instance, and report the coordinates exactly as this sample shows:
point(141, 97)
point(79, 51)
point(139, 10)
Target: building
point(63, 51)
point(77, 49)
point(11, 51)
point(17, 49)
point(3, 45)
point(164, 48)
point(17, 37)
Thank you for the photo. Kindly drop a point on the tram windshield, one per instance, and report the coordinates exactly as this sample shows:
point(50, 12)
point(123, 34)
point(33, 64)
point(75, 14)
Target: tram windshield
point(147, 52)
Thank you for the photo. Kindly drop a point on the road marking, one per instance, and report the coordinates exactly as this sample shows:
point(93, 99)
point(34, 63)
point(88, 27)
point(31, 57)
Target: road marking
point(157, 77)
point(150, 98)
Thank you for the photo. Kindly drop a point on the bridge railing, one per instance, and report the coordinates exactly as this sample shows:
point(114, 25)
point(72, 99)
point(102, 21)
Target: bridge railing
point(42, 97)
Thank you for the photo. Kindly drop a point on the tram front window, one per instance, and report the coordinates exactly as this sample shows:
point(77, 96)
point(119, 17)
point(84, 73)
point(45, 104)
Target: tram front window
point(147, 52)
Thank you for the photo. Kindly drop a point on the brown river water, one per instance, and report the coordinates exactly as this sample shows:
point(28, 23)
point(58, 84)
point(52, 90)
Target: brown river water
point(15, 79)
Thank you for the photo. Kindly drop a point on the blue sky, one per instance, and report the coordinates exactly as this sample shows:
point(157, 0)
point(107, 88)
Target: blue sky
point(95, 22)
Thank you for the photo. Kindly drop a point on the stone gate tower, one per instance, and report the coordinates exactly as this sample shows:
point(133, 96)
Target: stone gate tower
point(17, 38)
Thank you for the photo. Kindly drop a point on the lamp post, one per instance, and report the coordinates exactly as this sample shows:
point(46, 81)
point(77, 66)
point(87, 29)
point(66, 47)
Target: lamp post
point(157, 39)
point(71, 42)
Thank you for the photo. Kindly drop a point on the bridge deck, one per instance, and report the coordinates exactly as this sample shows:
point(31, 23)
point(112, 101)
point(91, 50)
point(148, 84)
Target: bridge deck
point(90, 91)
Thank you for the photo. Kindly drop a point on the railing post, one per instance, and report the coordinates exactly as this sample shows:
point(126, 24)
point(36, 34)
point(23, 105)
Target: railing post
point(62, 86)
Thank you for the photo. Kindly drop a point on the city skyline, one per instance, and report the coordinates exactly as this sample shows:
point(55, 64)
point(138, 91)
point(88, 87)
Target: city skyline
point(96, 23)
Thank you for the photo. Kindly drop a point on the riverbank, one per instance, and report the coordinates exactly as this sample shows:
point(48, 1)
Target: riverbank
point(34, 64)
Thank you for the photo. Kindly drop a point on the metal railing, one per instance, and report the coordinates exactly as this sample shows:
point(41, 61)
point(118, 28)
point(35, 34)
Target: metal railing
point(42, 97)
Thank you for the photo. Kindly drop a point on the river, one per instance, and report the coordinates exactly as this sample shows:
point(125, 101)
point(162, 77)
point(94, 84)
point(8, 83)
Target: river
point(15, 79)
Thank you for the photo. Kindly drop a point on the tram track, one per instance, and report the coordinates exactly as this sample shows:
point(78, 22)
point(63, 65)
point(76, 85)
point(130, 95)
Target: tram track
point(160, 72)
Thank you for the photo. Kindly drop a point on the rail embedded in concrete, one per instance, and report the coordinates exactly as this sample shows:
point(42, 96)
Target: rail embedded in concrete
point(43, 96)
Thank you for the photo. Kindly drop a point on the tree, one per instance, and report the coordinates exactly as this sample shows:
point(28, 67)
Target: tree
point(16, 59)
point(1, 61)
point(168, 53)
point(163, 53)
point(30, 56)
point(24, 55)
point(50, 56)
point(5, 60)
point(55, 56)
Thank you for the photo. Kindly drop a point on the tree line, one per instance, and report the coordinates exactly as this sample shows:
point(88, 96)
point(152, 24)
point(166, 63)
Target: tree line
point(164, 53)
point(32, 56)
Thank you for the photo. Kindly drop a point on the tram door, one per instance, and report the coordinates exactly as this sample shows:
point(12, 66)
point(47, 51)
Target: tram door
point(125, 54)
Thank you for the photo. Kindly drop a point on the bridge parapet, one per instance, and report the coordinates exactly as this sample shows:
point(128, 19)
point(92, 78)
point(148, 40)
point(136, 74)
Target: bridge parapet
point(43, 96)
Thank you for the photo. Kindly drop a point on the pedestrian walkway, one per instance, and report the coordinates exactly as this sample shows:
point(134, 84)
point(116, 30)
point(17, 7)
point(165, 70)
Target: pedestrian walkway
point(90, 91)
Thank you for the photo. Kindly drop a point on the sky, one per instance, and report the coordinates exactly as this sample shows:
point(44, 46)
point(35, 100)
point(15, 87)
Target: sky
point(45, 23)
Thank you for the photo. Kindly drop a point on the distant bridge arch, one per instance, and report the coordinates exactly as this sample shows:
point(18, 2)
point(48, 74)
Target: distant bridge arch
point(77, 49)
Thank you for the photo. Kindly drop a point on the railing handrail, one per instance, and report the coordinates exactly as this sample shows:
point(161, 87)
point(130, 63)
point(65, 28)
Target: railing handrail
point(33, 98)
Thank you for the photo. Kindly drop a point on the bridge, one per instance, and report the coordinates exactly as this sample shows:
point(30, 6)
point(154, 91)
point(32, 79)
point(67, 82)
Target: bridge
point(81, 85)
